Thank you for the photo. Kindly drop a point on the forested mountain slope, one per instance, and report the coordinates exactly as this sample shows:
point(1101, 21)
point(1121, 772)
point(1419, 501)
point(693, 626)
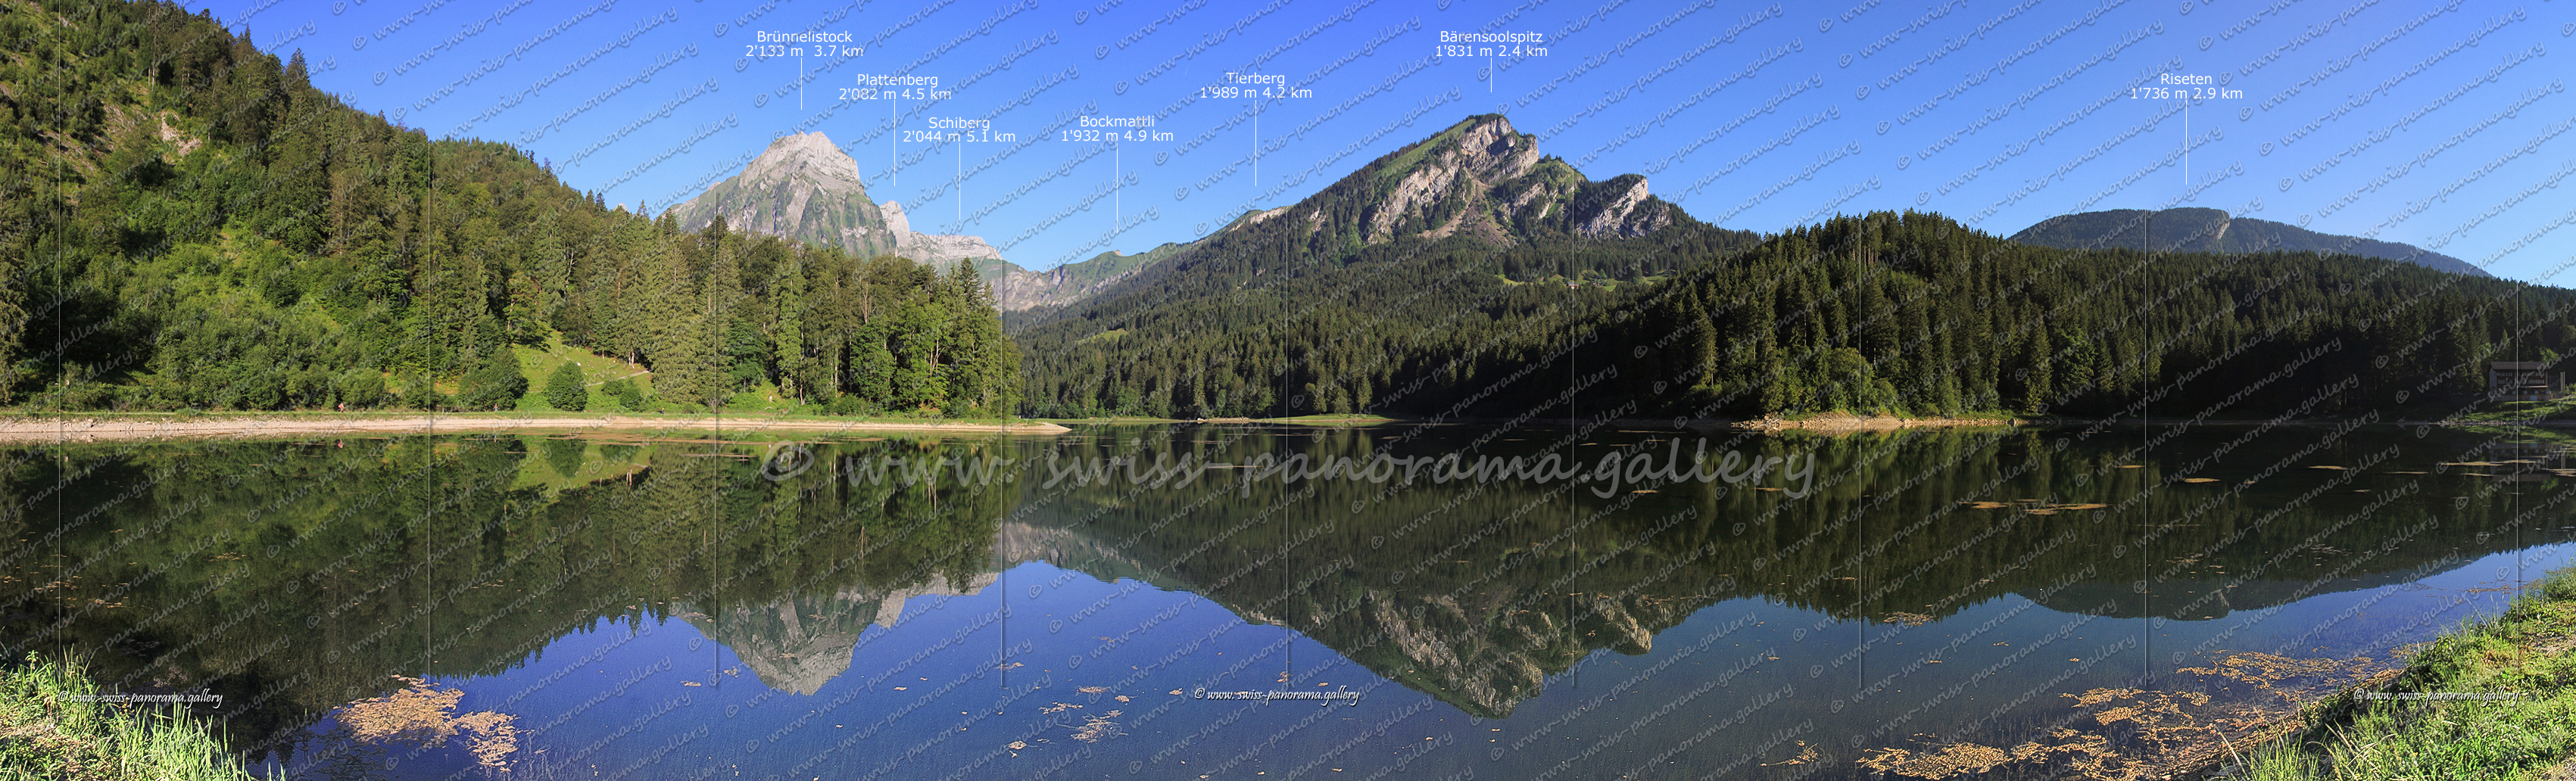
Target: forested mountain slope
point(1435, 282)
point(190, 224)
point(1443, 261)
point(2212, 230)
point(1913, 312)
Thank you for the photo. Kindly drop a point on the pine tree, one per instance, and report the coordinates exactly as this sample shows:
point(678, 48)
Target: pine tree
point(919, 330)
point(659, 299)
point(787, 290)
point(974, 343)
point(543, 259)
point(719, 323)
point(13, 318)
point(872, 364)
point(525, 316)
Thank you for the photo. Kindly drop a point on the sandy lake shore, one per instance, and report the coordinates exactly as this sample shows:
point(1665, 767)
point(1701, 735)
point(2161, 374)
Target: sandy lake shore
point(36, 430)
point(1844, 424)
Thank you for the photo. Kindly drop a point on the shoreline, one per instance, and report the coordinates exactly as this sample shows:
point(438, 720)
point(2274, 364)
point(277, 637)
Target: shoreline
point(1845, 424)
point(39, 430)
point(108, 426)
point(2479, 697)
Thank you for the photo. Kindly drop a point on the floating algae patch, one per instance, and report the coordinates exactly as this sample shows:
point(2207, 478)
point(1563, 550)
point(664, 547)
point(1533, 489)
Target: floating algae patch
point(1951, 760)
point(1903, 618)
point(2125, 734)
point(1095, 728)
point(425, 715)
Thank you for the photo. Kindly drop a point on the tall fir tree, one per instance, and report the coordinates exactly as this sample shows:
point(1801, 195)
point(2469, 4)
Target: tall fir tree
point(787, 331)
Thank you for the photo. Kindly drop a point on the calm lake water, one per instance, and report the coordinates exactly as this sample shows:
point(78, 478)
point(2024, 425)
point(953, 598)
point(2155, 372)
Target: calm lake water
point(2032, 603)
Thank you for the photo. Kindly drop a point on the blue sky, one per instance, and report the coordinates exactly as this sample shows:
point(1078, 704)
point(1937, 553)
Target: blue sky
point(2444, 125)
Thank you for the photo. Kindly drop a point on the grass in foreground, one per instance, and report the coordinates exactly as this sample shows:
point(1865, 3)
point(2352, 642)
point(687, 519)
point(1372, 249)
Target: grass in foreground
point(2525, 651)
point(46, 733)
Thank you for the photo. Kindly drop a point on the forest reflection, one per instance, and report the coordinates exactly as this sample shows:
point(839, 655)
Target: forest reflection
point(297, 577)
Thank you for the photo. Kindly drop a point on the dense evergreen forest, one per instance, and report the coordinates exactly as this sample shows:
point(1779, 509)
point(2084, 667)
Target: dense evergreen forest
point(190, 225)
point(1915, 313)
point(185, 223)
point(1907, 313)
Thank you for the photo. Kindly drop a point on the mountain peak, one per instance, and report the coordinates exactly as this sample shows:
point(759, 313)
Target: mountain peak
point(1483, 178)
point(803, 187)
point(811, 156)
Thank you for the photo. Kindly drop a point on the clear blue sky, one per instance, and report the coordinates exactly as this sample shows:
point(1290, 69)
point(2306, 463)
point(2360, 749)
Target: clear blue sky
point(2443, 125)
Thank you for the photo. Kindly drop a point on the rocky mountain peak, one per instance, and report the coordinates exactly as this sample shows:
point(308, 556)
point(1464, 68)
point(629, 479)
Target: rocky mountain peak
point(803, 187)
point(1618, 208)
point(1490, 150)
point(809, 158)
point(1483, 178)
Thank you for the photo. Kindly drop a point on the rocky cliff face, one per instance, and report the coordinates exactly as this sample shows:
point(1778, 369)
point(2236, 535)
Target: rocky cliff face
point(1482, 178)
point(1017, 288)
point(933, 247)
point(804, 188)
point(1619, 208)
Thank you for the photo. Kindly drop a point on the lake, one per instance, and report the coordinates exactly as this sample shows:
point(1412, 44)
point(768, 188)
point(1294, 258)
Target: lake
point(1250, 601)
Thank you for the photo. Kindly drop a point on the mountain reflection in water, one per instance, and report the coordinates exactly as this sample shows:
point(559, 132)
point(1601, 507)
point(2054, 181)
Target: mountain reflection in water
point(1784, 636)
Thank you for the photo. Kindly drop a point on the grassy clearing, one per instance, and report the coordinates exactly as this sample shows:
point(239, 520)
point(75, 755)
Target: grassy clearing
point(596, 370)
point(2523, 652)
point(1335, 419)
point(1998, 416)
point(47, 732)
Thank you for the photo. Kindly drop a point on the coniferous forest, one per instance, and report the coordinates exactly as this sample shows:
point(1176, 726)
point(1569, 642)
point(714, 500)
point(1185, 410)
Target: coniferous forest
point(1910, 314)
point(191, 225)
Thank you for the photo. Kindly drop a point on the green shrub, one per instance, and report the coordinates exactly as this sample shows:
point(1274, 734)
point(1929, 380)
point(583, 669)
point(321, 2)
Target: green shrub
point(628, 395)
point(564, 388)
point(362, 389)
point(849, 404)
point(422, 393)
point(494, 385)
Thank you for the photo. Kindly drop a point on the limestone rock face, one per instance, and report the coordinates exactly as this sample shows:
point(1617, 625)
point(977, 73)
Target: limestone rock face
point(1481, 178)
point(1621, 209)
point(806, 189)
